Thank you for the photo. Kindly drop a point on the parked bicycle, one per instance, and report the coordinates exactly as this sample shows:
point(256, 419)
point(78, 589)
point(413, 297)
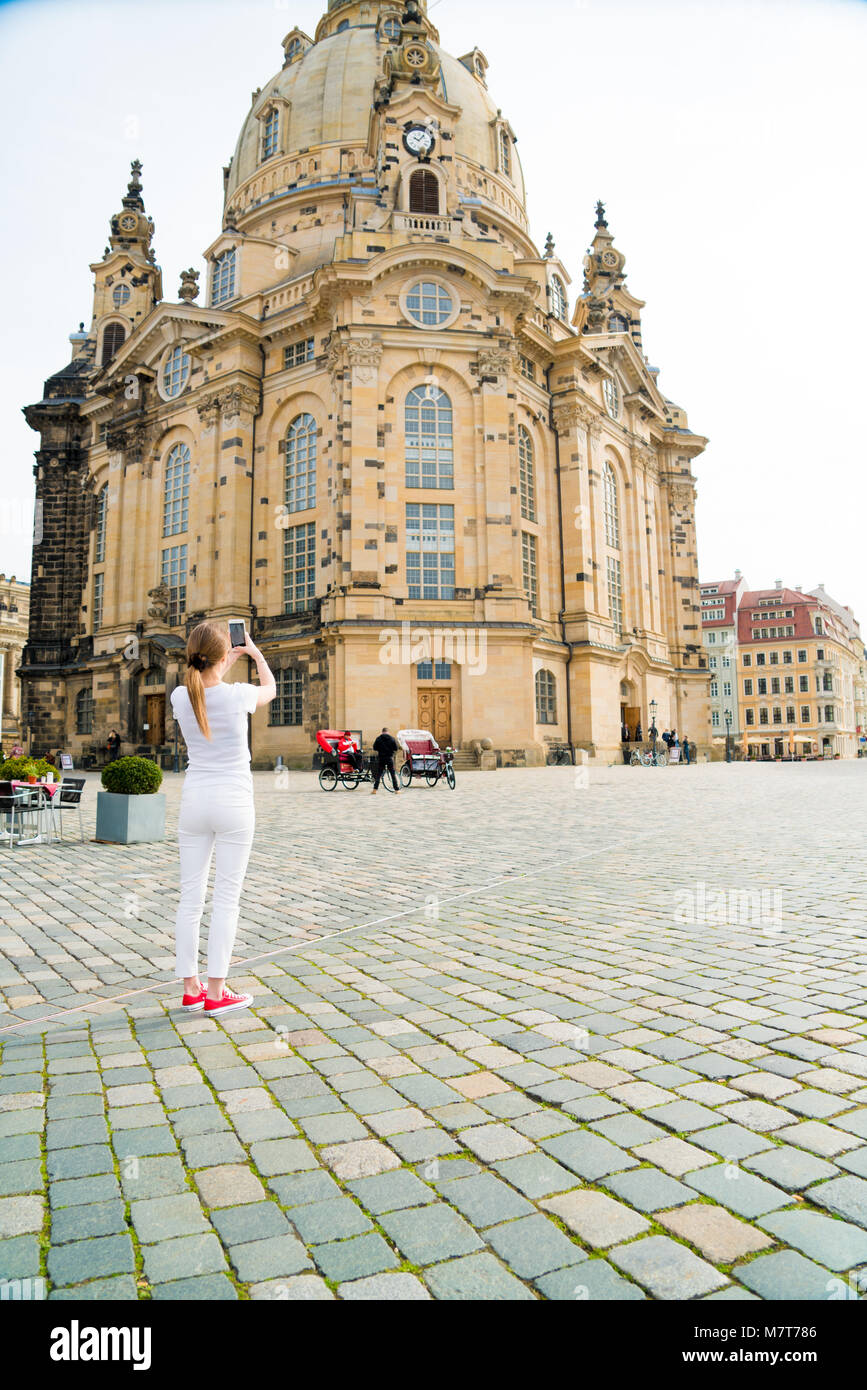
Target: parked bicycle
point(559, 756)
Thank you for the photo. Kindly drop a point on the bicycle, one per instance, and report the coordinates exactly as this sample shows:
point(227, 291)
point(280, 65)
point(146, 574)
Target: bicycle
point(443, 772)
point(559, 757)
point(640, 758)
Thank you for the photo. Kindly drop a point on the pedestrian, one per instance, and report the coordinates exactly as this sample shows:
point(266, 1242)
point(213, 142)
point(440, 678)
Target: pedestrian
point(638, 732)
point(624, 732)
point(216, 807)
point(385, 748)
point(349, 751)
point(675, 741)
point(113, 745)
point(686, 750)
point(666, 738)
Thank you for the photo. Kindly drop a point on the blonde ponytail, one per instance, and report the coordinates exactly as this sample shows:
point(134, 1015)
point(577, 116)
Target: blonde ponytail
point(206, 645)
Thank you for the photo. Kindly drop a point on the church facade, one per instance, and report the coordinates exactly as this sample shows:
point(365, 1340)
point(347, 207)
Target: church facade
point(441, 489)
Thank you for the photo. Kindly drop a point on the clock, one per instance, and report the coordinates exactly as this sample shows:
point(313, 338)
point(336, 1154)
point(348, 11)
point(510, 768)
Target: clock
point(419, 140)
point(129, 222)
point(609, 257)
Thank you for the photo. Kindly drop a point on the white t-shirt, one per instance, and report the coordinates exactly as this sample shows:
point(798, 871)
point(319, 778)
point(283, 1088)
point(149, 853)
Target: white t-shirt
point(226, 753)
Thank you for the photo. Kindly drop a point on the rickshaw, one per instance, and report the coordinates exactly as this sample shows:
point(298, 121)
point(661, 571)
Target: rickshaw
point(339, 769)
point(425, 759)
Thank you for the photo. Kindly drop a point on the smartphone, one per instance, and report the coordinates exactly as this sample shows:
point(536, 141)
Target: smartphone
point(237, 635)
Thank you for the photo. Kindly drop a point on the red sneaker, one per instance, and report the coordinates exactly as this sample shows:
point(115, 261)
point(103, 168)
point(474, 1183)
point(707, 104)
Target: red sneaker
point(192, 1002)
point(228, 1002)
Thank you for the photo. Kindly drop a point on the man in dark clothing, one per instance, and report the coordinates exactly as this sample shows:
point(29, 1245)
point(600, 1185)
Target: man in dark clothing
point(385, 748)
point(113, 745)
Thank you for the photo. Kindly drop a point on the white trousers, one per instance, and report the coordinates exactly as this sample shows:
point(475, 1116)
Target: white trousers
point(214, 815)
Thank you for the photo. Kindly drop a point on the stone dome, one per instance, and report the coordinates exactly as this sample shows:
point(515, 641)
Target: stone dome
point(328, 94)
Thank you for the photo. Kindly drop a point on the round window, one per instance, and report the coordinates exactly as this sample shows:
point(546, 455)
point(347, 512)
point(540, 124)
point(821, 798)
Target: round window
point(121, 295)
point(429, 303)
point(611, 393)
point(176, 372)
point(391, 29)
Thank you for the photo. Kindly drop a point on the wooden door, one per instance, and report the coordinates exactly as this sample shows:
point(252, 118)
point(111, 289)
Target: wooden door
point(435, 713)
point(156, 718)
point(633, 714)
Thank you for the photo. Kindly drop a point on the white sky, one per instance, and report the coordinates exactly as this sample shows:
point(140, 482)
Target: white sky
point(726, 138)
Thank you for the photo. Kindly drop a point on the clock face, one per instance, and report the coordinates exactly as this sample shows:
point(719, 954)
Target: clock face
point(419, 140)
point(609, 258)
point(128, 222)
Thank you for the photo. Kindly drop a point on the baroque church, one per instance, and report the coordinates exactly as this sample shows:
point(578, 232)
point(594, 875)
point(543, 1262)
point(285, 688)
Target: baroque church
point(440, 484)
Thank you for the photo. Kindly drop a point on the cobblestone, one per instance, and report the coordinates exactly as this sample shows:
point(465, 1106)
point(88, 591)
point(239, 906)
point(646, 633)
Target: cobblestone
point(507, 1027)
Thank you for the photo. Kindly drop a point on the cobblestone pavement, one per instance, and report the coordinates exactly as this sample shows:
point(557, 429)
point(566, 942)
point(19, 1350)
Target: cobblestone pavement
point(531, 1039)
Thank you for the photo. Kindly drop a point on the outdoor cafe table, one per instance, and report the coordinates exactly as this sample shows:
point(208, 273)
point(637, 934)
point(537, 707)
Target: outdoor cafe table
point(38, 802)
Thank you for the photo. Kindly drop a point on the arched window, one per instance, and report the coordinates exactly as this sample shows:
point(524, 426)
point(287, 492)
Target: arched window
point(618, 324)
point(611, 508)
point(112, 339)
point(300, 489)
point(176, 492)
point(527, 474)
point(344, 24)
point(424, 192)
point(505, 153)
point(391, 29)
point(176, 372)
point(429, 438)
point(546, 698)
point(84, 712)
point(559, 303)
point(223, 278)
point(271, 135)
point(293, 51)
point(101, 507)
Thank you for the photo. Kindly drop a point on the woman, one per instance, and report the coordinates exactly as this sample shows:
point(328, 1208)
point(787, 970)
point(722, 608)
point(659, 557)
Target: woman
point(216, 807)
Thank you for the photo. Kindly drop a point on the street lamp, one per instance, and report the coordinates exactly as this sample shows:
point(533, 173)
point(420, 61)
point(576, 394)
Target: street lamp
point(728, 716)
point(653, 729)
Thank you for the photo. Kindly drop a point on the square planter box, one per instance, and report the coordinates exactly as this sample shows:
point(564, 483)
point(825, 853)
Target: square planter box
point(127, 820)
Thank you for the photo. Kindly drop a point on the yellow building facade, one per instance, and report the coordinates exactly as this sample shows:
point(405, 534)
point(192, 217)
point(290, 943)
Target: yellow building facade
point(441, 489)
point(14, 623)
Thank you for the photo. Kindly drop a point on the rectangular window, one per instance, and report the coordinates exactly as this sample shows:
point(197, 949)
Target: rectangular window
point(425, 670)
point(787, 658)
point(714, 690)
point(174, 576)
point(711, 661)
point(789, 685)
point(829, 714)
point(430, 550)
point(805, 714)
point(778, 715)
point(296, 353)
point(299, 567)
point(775, 658)
point(804, 684)
point(98, 595)
point(762, 686)
point(429, 439)
point(711, 639)
point(820, 653)
point(286, 707)
point(530, 567)
point(760, 658)
point(775, 685)
point(528, 368)
point(714, 718)
point(748, 687)
point(790, 714)
point(748, 660)
point(763, 716)
point(101, 508)
point(827, 681)
point(726, 661)
point(751, 716)
point(615, 595)
point(727, 687)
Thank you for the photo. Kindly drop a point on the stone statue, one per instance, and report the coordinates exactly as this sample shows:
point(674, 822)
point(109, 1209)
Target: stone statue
point(159, 607)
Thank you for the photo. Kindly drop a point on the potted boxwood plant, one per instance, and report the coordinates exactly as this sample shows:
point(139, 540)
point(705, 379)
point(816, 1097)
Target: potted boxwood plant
point(132, 809)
